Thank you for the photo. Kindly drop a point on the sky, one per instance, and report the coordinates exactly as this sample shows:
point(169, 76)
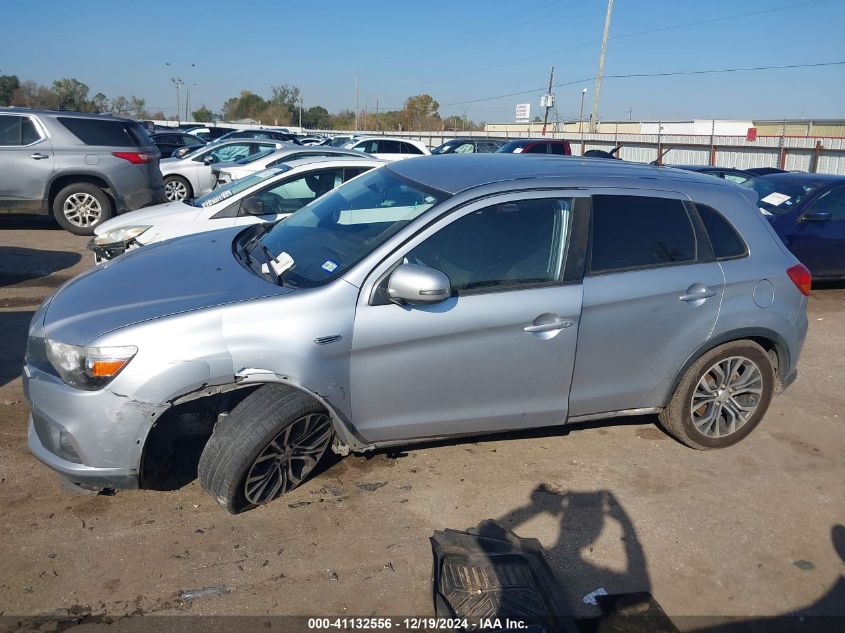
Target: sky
point(462, 52)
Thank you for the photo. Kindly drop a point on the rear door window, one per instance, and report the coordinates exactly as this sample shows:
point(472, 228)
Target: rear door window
point(106, 133)
point(727, 244)
point(388, 147)
point(16, 131)
point(630, 232)
point(408, 148)
point(557, 148)
point(537, 148)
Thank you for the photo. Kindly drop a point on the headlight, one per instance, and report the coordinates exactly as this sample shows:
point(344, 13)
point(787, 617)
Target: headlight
point(88, 367)
point(123, 234)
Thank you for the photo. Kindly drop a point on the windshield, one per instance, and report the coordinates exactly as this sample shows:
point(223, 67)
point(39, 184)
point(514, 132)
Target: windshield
point(339, 141)
point(237, 186)
point(332, 234)
point(246, 160)
point(778, 195)
point(514, 147)
point(455, 147)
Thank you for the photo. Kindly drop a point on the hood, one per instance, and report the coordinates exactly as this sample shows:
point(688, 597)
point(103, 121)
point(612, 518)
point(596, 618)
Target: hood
point(187, 273)
point(149, 216)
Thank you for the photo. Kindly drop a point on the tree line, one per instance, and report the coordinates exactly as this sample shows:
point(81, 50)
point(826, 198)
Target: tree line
point(283, 107)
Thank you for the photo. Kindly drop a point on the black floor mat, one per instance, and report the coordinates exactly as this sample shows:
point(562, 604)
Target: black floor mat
point(488, 573)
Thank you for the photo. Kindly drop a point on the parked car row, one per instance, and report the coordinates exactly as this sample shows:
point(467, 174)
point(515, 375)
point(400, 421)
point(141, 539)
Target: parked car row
point(87, 168)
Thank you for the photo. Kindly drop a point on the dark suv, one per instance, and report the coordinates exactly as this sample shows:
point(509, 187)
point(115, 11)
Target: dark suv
point(536, 146)
point(82, 168)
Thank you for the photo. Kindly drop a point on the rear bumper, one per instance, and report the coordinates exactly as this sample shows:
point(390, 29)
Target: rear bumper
point(139, 199)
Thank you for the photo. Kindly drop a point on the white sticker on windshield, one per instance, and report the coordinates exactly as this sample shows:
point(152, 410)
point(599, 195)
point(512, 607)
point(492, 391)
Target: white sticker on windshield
point(763, 211)
point(775, 199)
point(329, 266)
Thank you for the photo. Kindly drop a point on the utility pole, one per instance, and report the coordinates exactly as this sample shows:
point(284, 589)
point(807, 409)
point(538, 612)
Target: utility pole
point(356, 75)
point(630, 112)
point(300, 113)
point(378, 126)
point(595, 113)
point(548, 96)
point(581, 114)
point(178, 83)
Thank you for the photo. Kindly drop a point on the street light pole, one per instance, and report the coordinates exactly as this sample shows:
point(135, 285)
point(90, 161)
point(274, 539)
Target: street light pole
point(581, 113)
point(178, 81)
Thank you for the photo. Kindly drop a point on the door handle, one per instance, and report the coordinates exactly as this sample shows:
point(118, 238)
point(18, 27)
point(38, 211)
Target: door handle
point(556, 324)
point(697, 292)
point(39, 156)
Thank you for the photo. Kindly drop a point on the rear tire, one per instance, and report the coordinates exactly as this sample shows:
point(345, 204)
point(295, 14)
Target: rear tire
point(269, 444)
point(81, 207)
point(177, 188)
point(722, 396)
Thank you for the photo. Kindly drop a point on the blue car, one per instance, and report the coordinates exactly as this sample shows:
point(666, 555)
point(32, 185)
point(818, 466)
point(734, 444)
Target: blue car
point(808, 213)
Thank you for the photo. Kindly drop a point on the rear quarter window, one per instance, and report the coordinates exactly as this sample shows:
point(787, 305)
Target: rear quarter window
point(630, 232)
point(727, 243)
point(105, 132)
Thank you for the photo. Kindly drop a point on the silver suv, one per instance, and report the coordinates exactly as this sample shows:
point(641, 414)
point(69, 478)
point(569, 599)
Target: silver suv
point(435, 297)
point(82, 168)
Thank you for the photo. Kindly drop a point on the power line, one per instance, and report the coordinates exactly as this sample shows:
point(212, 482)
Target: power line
point(641, 75)
point(661, 29)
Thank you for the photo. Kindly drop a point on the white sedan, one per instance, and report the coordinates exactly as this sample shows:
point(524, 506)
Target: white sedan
point(388, 148)
point(190, 176)
point(265, 196)
point(227, 172)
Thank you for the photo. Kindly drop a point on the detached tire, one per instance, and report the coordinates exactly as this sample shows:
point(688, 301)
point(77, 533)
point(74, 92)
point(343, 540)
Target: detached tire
point(721, 397)
point(81, 207)
point(269, 443)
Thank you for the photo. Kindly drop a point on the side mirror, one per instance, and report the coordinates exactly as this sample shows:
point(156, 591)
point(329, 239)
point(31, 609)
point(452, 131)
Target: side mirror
point(816, 216)
point(253, 206)
point(209, 159)
point(420, 285)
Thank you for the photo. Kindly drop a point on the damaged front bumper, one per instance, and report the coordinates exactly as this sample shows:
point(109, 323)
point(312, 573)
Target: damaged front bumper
point(95, 439)
point(106, 252)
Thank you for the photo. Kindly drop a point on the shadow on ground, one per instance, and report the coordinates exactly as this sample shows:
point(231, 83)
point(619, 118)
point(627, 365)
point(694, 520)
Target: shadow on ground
point(20, 265)
point(14, 327)
point(23, 222)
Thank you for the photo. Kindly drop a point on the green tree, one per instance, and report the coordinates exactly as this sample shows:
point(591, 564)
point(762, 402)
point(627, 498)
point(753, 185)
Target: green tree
point(31, 95)
point(203, 115)
point(137, 106)
point(119, 106)
point(316, 117)
point(247, 104)
point(8, 85)
point(71, 94)
point(420, 112)
point(100, 102)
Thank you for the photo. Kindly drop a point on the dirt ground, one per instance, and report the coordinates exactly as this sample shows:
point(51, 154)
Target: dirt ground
point(749, 531)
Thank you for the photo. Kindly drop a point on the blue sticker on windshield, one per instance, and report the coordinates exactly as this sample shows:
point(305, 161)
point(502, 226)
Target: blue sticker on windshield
point(329, 266)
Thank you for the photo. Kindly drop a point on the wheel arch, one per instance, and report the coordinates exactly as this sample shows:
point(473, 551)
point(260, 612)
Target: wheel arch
point(189, 408)
point(769, 340)
point(63, 179)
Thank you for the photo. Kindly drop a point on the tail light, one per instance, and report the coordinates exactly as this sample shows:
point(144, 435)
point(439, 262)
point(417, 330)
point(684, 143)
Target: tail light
point(801, 277)
point(136, 158)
